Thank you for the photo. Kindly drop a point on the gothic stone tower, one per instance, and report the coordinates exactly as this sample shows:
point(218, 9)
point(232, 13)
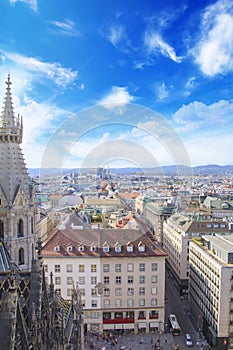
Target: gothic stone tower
point(17, 198)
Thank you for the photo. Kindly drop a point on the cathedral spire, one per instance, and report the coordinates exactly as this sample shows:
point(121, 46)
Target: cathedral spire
point(9, 125)
point(17, 196)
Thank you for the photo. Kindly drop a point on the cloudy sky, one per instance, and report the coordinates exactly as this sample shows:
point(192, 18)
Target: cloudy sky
point(124, 83)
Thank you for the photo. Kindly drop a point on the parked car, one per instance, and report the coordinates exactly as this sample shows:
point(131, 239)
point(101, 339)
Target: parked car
point(188, 340)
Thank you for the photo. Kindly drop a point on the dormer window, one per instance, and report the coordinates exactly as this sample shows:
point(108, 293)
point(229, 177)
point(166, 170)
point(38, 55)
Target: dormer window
point(81, 248)
point(106, 247)
point(57, 248)
point(129, 247)
point(141, 247)
point(70, 248)
point(93, 247)
point(117, 247)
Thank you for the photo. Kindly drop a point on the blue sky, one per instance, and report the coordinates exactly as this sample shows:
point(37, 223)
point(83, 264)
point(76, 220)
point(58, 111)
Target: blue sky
point(125, 83)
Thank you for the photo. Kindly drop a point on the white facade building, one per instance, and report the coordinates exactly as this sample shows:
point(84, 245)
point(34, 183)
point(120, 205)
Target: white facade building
point(211, 288)
point(120, 274)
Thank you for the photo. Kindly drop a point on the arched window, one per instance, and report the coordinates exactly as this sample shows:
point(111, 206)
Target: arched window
point(21, 256)
point(20, 228)
point(1, 230)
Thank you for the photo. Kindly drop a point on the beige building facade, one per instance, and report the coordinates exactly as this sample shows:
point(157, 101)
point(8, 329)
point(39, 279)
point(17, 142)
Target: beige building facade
point(120, 275)
point(211, 288)
point(178, 232)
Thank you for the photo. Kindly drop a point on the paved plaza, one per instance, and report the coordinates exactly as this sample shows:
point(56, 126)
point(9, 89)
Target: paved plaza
point(132, 342)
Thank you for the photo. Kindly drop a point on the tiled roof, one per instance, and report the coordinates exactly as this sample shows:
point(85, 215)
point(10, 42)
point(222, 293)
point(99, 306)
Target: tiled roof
point(64, 238)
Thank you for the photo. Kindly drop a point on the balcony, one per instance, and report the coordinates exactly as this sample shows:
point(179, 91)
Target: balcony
point(118, 320)
point(153, 317)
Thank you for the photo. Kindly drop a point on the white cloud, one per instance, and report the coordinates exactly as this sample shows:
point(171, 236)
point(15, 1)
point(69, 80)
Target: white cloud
point(39, 121)
point(155, 44)
point(214, 52)
point(162, 92)
point(119, 96)
point(118, 38)
point(32, 3)
point(197, 116)
point(115, 35)
point(60, 75)
point(67, 27)
point(189, 86)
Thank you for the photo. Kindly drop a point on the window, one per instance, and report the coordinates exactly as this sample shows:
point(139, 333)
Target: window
point(153, 279)
point(141, 247)
point(82, 292)
point(69, 292)
point(57, 268)
point(93, 292)
point(45, 268)
point(94, 314)
point(142, 314)
point(106, 279)
point(93, 268)
point(141, 279)
point(154, 267)
point(118, 267)
point(153, 290)
point(118, 302)
point(21, 256)
point(118, 291)
point(153, 314)
point(106, 302)
point(130, 291)
point(117, 248)
point(130, 248)
point(93, 280)
point(129, 267)
point(20, 228)
point(141, 291)
point(130, 279)
point(69, 280)
point(57, 280)
point(153, 302)
point(94, 303)
point(141, 267)
point(81, 248)
point(130, 302)
point(93, 248)
point(81, 268)
point(69, 268)
point(106, 291)
point(106, 248)
point(81, 280)
point(141, 302)
point(118, 279)
point(58, 291)
point(106, 268)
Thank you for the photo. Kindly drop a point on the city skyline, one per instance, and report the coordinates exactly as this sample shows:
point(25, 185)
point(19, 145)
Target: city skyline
point(121, 84)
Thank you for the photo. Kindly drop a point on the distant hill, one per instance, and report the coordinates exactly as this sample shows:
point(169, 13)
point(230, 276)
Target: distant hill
point(209, 169)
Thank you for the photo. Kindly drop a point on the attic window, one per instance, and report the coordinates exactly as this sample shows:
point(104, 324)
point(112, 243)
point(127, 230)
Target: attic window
point(81, 248)
point(141, 247)
point(70, 248)
point(129, 247)
point(106, 247)
point(117, 248)
point(93, 248)
point(57, 248)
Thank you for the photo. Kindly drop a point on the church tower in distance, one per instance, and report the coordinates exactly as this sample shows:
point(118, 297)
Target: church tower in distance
point(17, 197)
